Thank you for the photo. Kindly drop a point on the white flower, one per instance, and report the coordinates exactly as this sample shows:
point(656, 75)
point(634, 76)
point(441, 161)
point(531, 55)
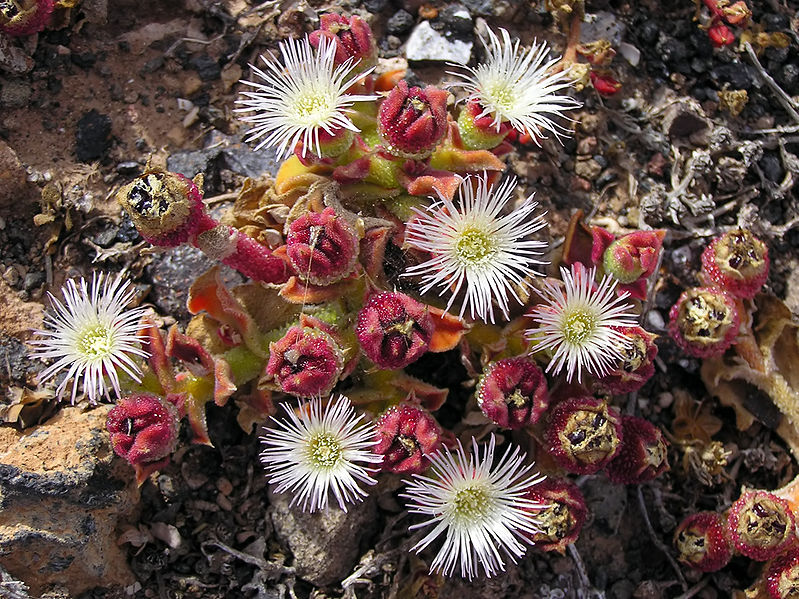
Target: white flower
point(481, 508)
point(475, 246)
point(517, 86)
point(577, 320)
point(91, 335)
point(320, 450)
point(299, 100)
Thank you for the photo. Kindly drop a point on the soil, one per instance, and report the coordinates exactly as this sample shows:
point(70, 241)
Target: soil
point(147, 81)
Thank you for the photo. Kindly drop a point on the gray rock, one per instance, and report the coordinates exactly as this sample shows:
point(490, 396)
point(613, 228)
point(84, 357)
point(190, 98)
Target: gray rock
point(325, 545)
point(400, 22)
point(15, 93)
point(602, 25)
point(425, 43)
point(457, 19)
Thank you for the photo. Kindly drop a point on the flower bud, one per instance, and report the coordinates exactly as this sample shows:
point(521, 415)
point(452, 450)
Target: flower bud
point(513, 392)
point(584, 434)
point(407, 437)
point(24, 17)
point(477, 130)
point(720, 35)
point(394, 330)
point(704, 322)
point(352, 36)
point(412, 120)
point(144, 431)
point(702, 542)
point(604, 84)
point(563, 517)
point(782, 577)
point(306, 362)
point(643, 455)
point(322, 247)
point(761, 525)
point(637, 364)
point(737, 262)
point(633, 256)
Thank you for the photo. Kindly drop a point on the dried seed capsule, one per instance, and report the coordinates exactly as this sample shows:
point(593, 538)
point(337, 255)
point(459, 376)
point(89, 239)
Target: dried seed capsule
point(761, 525)
point(413, 120)
point(584, 434)
point(513, 392)
point(407, 437)
point(736, 262)
point(563, 517)
point(638, 362)
point(643, 455)
point(704, 322)
point(25, 17)
point(306, 362)
point(782, 578)
point(702, 542)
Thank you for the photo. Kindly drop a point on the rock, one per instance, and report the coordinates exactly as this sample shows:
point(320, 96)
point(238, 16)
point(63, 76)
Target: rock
point(602, 25)
point(13, 178)
point(172, 274)
point(588, 168)
point(15, 93)
point(375, 6)
point(207, 68)
point(93, 136)
point(425, 43)
point(400, 22)
point(325, 544)
point(17, 365)
point(63, 495)
point(13, 59)
point(480, 8)
point(457, 19)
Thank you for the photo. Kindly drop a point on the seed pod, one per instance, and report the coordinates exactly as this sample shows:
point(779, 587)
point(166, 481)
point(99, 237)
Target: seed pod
point(643, 455)
point(704, 322)
point(25, 17)
point(407, 437)
point(637, 365)
point(306, 362)
point(736, 262)
point(702, 542)
point(761, 525)
point(563, 517)
point(513, 392)
point(782, 578)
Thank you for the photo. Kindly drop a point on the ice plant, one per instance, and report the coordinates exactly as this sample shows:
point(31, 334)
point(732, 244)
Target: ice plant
point(736, 262)
point(92, 336)
point(323, 448)
point(24, 17)
point(637, 364)
point(643, 455)
point(513, 392)
point(305, 100)
point(579, 322)
point(783, 577)
point(322, 247)
point(480, 507)
point(761, 525)
point(702, 542)
point(704, 322)
point(352, 37)
point(413, 120)
point(407, 437)
point(562, 518)
point(475, 248)
point(518, 86)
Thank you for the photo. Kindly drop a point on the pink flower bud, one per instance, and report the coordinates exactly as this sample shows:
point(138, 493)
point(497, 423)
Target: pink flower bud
point(736, 262)
point(563, 517)
point(513, 392)
point(144, 431)
point(643, 455)
point(322, 247)
point(306, 362)
point(25, 17)
point(352, 36)
point(412, 121)
point(393, 329)
point(761, 525)
point(637, 365)
point(720, 35)
point(407, 436)
point(702, 542)
point(584, 434)
point(604, 83)
point(704, 322)
point(634, 256)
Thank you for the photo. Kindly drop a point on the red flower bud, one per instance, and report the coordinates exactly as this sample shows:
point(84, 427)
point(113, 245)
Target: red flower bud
point(306, 362)
point(513, 392)
point(407, 436)
point(25, 17)
point(637, 365)
point(144, 431)
point(782, 578)
point(634, 256)
point(720, 35)
point(761, 525)
point(584, 434)
point(736, 262)
point(352, 36)
point(563, 518)
point(322, 247)
point(604, 84)
point(394, 330)
point(704, 322)
point(702, 542)
point(412, 121)
point(643, 455)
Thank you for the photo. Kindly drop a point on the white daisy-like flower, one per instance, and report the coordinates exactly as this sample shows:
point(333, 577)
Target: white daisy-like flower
point(321, 450)
point(91, 335)
point(481, 508)
point(578, 322)
point(300, 99)
point(518, 86)
point(477, 247)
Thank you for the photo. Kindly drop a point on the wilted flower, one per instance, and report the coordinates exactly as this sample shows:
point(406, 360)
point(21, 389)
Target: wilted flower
point(579, 322)
point(322, 247)
point(481, 507)
point(474, 247)
point(702, 542)
point(408, 436)
point(320, 450)
point(637, 364)
point(303, 99)
point(643, 455)
point(519, 86)
point(513, 392)
point(562, 518)
point(91, 336)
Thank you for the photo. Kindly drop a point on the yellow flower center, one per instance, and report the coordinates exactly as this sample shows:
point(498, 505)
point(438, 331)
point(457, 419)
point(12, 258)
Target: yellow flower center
point(579, 325)
point(474, 246)
point(311, 108)
point(324, 450)
point(501, 95)
point(471, 504)
point(96, 341)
